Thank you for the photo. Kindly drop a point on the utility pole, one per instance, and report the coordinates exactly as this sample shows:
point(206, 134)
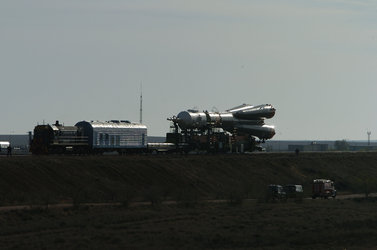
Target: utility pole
point(369, 133)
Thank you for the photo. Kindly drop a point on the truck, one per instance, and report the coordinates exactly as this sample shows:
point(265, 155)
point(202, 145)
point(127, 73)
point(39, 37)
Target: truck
point(294, 191)
point(4, 146)
point(323, 188)
point(275, 192)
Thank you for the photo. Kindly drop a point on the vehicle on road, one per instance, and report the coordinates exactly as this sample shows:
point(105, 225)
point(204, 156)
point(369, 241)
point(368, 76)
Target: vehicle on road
point(323, 188)
point(294, 191)
point(275, 192)
point(4, 147)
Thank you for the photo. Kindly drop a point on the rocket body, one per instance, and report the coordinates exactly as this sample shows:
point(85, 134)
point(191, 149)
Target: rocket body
point(244, 118)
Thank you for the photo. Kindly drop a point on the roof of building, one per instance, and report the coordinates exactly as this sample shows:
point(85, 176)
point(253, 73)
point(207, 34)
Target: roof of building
point(114, 124)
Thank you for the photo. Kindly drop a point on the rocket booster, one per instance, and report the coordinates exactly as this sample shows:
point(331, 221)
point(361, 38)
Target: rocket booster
point(244, 118)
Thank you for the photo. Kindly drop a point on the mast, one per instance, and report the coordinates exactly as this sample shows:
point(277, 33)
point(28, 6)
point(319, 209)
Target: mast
point(141, 103)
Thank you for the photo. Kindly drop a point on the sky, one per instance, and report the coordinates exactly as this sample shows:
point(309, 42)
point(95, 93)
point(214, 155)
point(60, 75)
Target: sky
point(315, 61)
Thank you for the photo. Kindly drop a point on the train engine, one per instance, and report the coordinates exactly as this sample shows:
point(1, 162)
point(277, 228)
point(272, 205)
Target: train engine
point(58, 139)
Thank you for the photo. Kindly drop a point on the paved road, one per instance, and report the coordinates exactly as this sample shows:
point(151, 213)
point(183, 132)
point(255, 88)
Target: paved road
point(352, 196)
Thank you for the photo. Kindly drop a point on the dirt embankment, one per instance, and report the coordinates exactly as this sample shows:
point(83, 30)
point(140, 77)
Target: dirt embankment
point(25, 180)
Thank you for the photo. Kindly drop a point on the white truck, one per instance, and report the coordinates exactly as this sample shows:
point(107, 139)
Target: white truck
point(4, 147)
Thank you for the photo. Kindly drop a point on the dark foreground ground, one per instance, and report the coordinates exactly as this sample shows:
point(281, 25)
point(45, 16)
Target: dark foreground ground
point(162, 202)
point(310, 224)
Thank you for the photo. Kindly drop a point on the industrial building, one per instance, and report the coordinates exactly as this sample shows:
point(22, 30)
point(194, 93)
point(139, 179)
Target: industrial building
point(316, 146)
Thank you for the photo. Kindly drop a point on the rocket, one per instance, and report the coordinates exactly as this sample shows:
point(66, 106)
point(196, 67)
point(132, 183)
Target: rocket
point(246, 119)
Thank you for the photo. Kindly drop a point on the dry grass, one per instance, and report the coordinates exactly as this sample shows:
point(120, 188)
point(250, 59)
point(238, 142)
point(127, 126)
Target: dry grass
point(312, 224)
point(189, 223)
point(28, 180)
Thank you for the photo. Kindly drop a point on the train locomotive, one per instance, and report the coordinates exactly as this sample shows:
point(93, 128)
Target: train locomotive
point(238, 129)
point(89, 137)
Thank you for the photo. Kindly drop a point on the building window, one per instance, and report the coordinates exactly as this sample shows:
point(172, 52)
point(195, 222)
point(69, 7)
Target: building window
point(106, 139)
point(100, 139)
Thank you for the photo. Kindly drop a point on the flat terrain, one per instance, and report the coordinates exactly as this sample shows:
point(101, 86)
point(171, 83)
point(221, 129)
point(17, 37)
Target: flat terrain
point(312, 224)
point(184, 202)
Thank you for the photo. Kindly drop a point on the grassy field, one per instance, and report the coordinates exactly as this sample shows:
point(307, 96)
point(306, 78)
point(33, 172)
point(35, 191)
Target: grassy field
point(189, 221)
point(311, 224)
point(29, 180)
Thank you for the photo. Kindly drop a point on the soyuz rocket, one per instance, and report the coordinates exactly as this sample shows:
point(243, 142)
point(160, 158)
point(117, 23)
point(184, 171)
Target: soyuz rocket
point(246, 119)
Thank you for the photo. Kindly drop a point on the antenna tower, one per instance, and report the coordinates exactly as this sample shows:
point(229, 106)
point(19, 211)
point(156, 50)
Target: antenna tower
point(141, 104)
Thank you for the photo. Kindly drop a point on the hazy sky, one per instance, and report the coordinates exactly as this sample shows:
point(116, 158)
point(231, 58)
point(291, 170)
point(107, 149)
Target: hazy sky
point(73, 60)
